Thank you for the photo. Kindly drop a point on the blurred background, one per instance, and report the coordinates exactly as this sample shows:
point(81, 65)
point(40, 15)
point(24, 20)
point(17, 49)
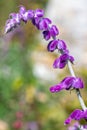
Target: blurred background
point(26, 71)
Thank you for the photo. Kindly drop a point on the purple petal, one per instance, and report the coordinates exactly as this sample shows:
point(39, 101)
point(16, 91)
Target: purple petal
point(67, 82)
point(10, 24)
point(61, 61)
point(35, 21)
point(85, 127)
point(71, 58)
point(30, 14)
point(78, 83)
point(22, 10)
point(39, 13)
point(44, 24)
point(76, 114)
point(54, 31)
point(12, 15)
point(67, 121)
point(52, 45)
point(85, 114)
point(56, 88)
point(61, 45)
point(16, 17)
point(27, 15)
point(46, 35)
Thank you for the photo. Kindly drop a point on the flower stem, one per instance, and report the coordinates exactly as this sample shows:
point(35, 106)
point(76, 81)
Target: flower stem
point(77, 90)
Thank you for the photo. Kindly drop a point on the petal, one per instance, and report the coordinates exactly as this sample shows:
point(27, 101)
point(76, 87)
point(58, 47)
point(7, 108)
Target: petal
point(30, 14)
point(35, 21)
point(67, 82)
point(67, 121)
point(56, 88)
point(61, 45)
point(22, 10)
point(44, 24)
point(52, 45)
point(54, 31)
point(39, 13)
point(46, 35)
point(85, 114)
point(76, 114)
point(71, 58)
point(78, 83)
point(61, 61)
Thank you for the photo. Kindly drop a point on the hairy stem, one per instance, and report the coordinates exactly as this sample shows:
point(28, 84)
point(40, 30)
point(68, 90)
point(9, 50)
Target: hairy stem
point(77, 90)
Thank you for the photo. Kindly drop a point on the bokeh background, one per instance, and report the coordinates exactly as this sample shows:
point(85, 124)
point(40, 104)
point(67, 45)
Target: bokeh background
point(26, 71)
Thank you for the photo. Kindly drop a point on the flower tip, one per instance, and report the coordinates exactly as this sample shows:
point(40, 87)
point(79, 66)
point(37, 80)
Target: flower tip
point(67, 121)
point(52, 90)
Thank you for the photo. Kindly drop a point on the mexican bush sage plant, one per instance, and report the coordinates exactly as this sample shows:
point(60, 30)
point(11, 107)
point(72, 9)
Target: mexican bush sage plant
point(50, 32)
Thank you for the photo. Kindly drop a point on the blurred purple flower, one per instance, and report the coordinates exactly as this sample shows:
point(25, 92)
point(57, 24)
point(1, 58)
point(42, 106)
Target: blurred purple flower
point(61, 61)
point(53, 31)
point(61, 45)
point(46, 35)
point(22, 10)
point(50, 32)
point(44, 24)
point(39, 13)
point(67, 83)
point(76, 115)
point(52, 45)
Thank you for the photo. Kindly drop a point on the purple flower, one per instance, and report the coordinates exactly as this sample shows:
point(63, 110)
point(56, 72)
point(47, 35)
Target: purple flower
point(28, 15)
point(10, 24)
point(46, 35)
point(16, 17)
point(67, 83)
point(78, 83)
point(39, 13)
point(44, 24)
point(61, 61)
point(53, 31)
point(56, 88)
point(52, 45)
point(61, 45)
point(22, 10)
point(36, 21)
point(76, 115)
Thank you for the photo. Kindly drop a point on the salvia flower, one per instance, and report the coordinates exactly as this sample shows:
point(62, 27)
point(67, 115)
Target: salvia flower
point(53, 31)
point(61, 61)
point(39, 13)
point(67, 84)
point(61, 45)
point(44, 24)
point(46, 35)
point(22, 10)
point(10, 25)
point(52, 45)
point(76, 115)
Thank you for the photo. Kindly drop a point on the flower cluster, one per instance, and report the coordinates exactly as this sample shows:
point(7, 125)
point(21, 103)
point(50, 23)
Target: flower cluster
point(50, 32)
